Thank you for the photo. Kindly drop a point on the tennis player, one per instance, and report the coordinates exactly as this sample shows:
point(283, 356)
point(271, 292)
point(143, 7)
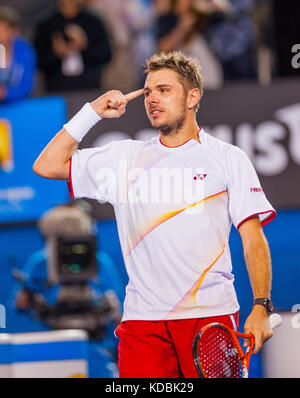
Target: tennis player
point(175, 198)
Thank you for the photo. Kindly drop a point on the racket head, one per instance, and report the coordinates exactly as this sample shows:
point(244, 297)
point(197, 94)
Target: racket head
point(218, 353)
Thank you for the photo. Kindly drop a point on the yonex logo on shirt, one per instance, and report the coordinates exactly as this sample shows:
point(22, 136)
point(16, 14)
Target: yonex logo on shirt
point(199, 177)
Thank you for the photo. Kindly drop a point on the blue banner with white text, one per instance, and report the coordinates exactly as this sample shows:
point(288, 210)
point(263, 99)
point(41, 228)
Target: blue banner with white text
point(25, 129)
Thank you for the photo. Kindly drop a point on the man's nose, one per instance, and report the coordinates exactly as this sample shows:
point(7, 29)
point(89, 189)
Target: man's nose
point(152, 98)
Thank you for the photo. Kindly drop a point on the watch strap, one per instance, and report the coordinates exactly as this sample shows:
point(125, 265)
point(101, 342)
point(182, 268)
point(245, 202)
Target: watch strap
point(265, 302)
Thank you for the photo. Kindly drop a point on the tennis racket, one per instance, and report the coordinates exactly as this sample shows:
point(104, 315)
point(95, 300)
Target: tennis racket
point(218, 352)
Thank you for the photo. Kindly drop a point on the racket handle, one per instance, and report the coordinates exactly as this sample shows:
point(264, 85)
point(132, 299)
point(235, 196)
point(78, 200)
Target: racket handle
point(275, 320)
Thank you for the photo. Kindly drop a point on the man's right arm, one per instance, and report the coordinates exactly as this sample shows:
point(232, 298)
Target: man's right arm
point(54, 160)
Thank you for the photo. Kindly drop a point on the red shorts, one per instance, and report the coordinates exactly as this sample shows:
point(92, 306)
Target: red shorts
point(162, 349)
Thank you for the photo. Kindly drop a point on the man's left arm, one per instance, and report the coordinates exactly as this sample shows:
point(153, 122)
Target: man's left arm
point(258, 262)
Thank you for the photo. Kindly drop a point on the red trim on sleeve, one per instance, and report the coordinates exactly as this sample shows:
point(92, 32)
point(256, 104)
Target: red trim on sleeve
point(265, 221)
point(70, 184)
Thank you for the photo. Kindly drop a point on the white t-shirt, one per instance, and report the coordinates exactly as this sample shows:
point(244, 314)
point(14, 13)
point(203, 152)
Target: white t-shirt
point(174, 208)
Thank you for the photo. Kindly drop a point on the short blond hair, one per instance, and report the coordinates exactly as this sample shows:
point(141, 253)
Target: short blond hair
point(188, 69)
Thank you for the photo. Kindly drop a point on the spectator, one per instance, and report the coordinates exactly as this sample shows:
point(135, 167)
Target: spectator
point(232, 35)
point(120, 72)
point(262, 18)
point(131, 24)
point(73, 47)
point(182, 27)
point(19, 59)
point(140, 15)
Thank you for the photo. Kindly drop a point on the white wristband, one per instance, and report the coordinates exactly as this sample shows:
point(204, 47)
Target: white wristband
point(82, 122)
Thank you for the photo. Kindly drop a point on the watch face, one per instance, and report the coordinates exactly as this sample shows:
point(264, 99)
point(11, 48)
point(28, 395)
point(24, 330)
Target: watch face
point(270, 306)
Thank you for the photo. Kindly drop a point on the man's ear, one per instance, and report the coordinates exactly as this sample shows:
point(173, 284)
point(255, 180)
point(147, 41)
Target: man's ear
point(193, 98)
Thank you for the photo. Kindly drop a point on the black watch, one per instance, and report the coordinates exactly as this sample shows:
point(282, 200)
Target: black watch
point(265, 302)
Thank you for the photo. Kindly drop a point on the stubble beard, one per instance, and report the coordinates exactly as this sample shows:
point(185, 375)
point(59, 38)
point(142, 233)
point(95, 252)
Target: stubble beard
point(172, 127)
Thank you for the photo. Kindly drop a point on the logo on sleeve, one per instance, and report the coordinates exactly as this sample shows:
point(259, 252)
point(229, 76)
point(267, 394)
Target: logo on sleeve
point(257, 189)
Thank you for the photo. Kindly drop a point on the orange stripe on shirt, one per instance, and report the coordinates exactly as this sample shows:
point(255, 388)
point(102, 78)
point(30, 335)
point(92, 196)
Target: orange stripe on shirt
point(169, 215)
point(189, 299)
point(199, 282)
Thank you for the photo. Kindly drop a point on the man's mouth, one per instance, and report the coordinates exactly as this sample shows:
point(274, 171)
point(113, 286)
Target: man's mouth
point(155, 112)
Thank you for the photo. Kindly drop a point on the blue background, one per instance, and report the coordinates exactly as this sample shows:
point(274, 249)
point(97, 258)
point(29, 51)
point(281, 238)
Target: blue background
point(33, 122)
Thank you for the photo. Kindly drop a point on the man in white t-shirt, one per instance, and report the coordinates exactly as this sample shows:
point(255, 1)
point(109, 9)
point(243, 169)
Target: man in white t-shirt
point(175, 198)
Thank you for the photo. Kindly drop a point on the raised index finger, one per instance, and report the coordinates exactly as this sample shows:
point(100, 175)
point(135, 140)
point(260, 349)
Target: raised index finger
point(134, 94)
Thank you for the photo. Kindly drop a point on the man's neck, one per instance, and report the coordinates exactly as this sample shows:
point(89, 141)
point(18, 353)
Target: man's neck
point(179, 137)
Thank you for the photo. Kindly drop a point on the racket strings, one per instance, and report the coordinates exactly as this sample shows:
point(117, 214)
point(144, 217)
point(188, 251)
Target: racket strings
point(218, 355)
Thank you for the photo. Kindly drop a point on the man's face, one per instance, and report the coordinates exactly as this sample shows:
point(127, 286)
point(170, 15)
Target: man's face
point(165, 100)
point(69, 8)
point(7, 33)
point(182, 6)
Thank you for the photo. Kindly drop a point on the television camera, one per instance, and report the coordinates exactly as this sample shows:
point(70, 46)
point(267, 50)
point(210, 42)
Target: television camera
point(72, 264)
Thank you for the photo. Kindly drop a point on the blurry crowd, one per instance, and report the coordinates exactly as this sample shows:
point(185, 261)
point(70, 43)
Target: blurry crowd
point(64, 45)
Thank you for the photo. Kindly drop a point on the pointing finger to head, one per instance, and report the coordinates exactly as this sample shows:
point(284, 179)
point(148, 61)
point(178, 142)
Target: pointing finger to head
point(116, 99)
point(134, 94)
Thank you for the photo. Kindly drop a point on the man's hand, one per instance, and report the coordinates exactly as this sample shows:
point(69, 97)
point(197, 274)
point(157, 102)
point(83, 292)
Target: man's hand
point(187, 22)
point(113, 103)
point(258, 324)
point(59, 45)
point(22, 300)
point(78, 39)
